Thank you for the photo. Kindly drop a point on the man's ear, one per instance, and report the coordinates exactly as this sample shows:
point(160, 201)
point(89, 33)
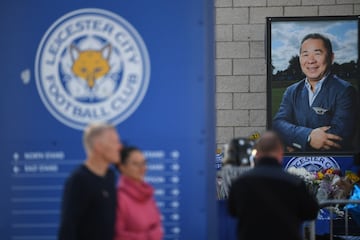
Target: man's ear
point(97, 147)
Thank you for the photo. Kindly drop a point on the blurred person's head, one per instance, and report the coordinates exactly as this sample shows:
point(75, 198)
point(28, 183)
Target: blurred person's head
point(269, 145)
point(102, 143)
point(316, 56)
point(132, 163)
point(240, 152)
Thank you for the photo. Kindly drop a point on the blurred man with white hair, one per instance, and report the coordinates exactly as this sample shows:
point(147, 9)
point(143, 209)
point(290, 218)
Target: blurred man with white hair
point(89, 199)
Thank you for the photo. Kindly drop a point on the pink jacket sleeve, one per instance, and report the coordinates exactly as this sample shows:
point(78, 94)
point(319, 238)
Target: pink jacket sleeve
point(120, 232)
point(154, 232)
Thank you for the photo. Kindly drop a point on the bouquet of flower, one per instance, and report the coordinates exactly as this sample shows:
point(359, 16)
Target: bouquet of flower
point(332, 185)
point(327, 183)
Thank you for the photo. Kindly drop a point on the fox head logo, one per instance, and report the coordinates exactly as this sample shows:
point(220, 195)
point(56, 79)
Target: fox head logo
point(90, 65)
point(93, 75)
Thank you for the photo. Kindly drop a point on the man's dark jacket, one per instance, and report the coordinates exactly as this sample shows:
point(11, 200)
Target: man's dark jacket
point(270, 203)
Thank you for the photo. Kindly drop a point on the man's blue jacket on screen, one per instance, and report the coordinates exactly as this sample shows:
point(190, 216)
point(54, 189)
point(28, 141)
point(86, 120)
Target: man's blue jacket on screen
point(334, 106)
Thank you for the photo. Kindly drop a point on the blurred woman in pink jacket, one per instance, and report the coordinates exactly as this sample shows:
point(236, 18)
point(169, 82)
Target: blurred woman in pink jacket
point(137, 216)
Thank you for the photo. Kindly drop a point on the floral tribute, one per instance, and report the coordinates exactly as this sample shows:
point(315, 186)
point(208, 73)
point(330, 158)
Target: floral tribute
point(328, 183)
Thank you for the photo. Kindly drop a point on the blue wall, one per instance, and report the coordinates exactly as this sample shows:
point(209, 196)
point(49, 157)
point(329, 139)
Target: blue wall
point(170, 114)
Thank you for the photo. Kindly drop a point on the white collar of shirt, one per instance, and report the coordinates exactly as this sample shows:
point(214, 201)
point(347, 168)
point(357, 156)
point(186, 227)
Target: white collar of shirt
point(318, 85)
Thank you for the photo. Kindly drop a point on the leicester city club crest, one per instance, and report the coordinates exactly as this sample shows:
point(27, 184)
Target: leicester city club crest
point(313, 163)
point(91, 65)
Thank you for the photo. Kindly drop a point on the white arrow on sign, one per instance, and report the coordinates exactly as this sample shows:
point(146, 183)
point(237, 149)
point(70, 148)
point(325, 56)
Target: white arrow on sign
point(16, 169)
point(175, 192)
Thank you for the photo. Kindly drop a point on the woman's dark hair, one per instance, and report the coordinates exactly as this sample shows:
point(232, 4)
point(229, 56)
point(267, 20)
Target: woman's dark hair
point(125, 153)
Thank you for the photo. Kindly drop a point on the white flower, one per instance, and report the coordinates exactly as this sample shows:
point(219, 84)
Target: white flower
point(302, 172)
point(335, 180)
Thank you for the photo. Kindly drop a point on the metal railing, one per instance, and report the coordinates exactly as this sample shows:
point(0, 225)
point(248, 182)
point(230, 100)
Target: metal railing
point(329, 204)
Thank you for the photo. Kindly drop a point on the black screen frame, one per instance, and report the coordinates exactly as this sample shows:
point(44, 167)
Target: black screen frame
point(270, 98)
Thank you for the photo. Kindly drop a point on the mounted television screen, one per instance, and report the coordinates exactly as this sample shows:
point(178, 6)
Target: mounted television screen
point(313, 76)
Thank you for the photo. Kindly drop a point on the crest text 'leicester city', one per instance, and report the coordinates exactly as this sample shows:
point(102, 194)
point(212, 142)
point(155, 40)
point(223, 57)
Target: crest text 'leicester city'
point(313, 163)
point(91, 65)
